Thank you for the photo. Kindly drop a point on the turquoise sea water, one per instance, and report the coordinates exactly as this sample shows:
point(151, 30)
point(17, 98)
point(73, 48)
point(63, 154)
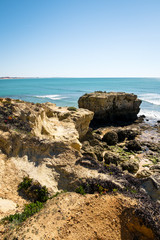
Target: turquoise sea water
point(66, 91)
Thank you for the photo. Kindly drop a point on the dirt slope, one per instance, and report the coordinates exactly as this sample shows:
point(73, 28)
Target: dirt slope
point(72, 216)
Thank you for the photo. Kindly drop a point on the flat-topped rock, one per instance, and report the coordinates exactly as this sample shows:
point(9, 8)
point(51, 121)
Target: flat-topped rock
point(111, 106)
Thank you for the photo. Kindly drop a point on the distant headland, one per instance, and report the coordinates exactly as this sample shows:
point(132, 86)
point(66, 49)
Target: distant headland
point(17, 77)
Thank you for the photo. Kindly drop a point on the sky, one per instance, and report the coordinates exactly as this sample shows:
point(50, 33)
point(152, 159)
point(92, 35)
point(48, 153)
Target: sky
point(80, 38)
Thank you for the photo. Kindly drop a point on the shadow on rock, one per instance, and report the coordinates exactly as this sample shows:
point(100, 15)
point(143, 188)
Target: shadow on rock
point(134, 227)
point(88, 162)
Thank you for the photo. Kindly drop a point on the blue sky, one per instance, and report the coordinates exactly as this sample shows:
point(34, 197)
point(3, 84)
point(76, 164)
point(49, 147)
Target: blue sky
point(80, 38)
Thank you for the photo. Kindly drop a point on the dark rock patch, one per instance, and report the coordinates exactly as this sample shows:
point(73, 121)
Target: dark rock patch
point(111, 157)
point(111, 138)
point(133, 145)
point(130, 165)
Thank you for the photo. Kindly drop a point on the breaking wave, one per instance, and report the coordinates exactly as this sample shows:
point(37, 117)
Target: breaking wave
point(153, 98)
point(150, 114)
point(53, 97)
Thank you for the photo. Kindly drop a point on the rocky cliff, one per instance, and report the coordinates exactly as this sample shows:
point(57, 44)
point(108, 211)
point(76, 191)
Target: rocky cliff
point(44, 121)
point(111, 106)
point(54, 146)
point(41, 141)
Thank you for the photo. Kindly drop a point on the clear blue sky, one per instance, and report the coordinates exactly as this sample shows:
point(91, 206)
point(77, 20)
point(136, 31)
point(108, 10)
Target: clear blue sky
point(80, 38)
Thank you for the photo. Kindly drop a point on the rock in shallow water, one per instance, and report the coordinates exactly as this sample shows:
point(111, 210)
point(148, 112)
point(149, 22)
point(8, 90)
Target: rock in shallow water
point(111, 106)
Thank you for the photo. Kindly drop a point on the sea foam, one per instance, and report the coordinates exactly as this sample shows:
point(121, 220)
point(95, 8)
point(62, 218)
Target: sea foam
point(53, 97)
point(150, 114)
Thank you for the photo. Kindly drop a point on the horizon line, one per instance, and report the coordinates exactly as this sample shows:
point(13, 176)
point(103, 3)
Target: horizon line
point(7, 77)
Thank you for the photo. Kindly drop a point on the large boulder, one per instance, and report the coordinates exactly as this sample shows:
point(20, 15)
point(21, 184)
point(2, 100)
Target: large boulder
point(111, 138)
point(111, 106)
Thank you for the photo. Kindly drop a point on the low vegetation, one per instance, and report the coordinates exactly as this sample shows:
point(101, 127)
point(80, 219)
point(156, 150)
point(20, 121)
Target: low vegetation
point(80, 190)
point(29, 210)
point(33, 190)
point(37, 194)
point(121, 152)
point(74, 109)
point(92, 189)
point(154, 159)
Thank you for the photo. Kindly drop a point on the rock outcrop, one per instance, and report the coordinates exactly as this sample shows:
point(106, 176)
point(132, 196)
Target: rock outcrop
point(45, 121)
point(41, 141)
point(56, 147)
point(111, 106)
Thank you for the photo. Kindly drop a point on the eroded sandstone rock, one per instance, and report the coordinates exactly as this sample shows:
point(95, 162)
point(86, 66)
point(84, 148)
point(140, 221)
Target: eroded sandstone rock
point(111, 106)
point(45, 121)
point(41, 141)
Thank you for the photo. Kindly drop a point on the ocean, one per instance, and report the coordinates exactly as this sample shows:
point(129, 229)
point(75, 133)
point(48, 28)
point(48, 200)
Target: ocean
point(66, 91)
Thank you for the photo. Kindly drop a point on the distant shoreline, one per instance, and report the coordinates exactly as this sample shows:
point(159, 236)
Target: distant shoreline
point(17, 77)
point(8, 78)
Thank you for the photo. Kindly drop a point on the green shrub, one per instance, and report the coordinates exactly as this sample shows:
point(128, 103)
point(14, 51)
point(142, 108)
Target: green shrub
point(102, 190)
point(133, 191)
point(29, 210)
point(80, 190)
point(42, 194)
point(57, 193)
point(154, 159)
point(115, 190)
point(25, 184)
point(72, 109)
point(33, 190)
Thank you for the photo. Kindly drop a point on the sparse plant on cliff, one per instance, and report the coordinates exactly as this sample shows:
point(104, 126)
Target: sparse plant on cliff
point(115, 190)
point(134, 191)
point(74, 109)
point(36, 193)
point(102, 190)
point(131, 190)
point(33, 190)
point(29, 210)
point(154, 159)
point(57, 193)
point(25, 184)
point(80, 190)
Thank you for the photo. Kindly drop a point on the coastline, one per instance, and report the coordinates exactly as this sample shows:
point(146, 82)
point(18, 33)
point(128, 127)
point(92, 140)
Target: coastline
point(55, 146)
point(66, 91)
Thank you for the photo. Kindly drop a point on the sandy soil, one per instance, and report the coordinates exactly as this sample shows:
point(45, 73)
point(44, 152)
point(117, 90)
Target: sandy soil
point(10, 177)
point(91, 217)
